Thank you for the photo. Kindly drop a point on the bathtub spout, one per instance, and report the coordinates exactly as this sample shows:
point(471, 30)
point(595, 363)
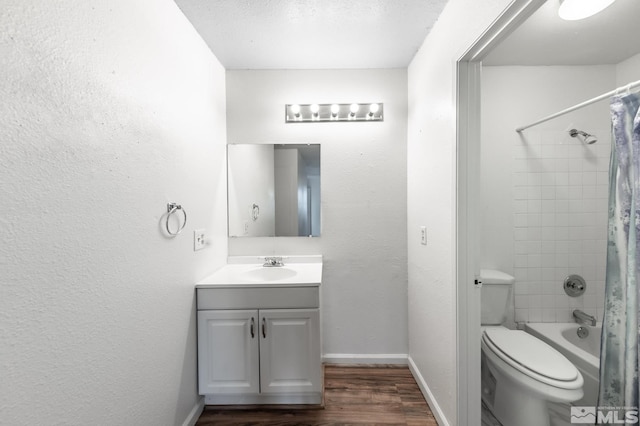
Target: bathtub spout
point(583, 318)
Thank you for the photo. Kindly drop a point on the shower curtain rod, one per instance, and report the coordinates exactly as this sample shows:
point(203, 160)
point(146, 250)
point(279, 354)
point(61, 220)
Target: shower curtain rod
point(620, 89)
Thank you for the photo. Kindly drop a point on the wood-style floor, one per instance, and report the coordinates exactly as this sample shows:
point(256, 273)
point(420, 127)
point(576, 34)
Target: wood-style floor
point(352, 395)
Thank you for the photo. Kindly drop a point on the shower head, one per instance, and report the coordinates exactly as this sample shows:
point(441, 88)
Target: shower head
point(586, 137)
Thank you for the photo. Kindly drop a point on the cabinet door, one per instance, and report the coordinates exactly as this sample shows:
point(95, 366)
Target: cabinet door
point(228, 352)
point(290, 351)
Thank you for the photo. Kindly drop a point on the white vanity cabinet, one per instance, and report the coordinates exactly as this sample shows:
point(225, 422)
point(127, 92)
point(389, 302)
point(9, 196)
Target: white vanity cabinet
point(259, 344)
point(228, 352)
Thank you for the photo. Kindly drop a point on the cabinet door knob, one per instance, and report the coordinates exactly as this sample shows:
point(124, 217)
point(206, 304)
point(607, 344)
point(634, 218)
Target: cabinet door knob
point(264, 328)
point(253, 334)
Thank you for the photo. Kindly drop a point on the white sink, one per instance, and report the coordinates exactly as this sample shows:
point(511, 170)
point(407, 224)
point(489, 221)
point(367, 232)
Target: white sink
point(248, 271)
point(275, 273)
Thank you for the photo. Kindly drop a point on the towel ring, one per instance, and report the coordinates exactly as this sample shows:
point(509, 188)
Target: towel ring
point(171, 209)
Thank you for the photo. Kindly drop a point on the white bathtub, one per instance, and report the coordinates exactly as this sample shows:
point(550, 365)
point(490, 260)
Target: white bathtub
point(583, 353)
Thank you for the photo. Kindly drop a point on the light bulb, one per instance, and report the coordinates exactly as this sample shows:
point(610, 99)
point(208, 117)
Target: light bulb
point(373, 108)
point(335, 109)
point(354, 108)
point(295, 109)
point(573, 10)
point(314, 109)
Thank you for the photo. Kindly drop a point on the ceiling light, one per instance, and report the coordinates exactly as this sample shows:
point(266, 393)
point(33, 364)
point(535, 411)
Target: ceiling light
point(573, 10)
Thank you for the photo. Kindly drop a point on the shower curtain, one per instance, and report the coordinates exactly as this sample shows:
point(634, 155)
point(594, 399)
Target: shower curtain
point(619, 350)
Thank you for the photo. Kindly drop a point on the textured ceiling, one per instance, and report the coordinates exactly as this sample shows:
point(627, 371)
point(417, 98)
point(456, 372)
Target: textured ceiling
point(544, 39)
point(313, 34)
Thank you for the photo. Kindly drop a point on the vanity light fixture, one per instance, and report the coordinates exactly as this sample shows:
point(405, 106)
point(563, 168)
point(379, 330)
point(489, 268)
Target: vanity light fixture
point(306, 113)
point(573, 10)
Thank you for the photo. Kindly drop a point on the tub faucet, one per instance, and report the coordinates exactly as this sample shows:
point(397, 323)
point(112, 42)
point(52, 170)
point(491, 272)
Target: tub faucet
point(583, 318)
point(271, 262)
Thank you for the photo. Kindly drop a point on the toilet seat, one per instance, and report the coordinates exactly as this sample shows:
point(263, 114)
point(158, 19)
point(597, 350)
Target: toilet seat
point(532, 357)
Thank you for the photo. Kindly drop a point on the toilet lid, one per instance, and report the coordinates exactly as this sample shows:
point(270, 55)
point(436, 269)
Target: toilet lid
point(532, 354)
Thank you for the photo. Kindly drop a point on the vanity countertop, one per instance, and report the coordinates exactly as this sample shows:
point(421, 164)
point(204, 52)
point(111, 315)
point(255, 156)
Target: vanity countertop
point(248, 271)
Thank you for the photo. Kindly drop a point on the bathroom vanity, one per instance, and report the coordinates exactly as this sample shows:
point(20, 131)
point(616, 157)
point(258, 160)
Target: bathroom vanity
point(259, 332)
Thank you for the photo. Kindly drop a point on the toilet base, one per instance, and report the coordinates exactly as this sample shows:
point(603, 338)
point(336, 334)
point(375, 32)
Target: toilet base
point(516, 408)
point(510, 403)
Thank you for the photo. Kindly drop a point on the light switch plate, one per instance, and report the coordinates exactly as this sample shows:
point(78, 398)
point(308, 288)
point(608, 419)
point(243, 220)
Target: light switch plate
point(423, 235)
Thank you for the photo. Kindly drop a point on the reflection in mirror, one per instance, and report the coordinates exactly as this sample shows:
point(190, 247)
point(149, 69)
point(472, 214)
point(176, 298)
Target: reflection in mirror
point(274, 190)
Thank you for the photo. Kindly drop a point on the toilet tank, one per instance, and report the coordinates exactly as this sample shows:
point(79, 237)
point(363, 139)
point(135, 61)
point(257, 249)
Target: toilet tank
point(495, 294)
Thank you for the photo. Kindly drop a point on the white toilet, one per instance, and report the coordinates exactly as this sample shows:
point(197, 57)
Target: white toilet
point(519, 372)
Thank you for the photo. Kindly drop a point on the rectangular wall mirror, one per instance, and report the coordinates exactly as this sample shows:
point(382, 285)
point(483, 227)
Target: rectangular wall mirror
point(273, 190)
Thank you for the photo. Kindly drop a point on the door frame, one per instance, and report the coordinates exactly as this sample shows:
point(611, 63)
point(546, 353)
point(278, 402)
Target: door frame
point(468, 131)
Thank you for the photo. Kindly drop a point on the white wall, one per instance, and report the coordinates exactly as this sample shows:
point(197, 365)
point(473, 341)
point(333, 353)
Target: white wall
point(628, 71)
point(431, 171)
point(363, 240)
point(106, 116)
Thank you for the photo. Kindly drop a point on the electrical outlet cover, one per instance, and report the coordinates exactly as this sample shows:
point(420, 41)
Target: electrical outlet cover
point(198, 239)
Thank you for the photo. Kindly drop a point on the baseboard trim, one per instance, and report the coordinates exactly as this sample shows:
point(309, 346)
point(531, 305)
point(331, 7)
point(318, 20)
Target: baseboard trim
point(309, 399)
point(194, 415)
point(431, 400)
point(400, 359)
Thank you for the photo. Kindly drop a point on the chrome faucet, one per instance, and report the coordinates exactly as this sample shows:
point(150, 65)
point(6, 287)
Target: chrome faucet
point(583, 318)
point(271, 262)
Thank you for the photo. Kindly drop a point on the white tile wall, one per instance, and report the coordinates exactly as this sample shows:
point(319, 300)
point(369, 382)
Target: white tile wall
point(561, 196)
